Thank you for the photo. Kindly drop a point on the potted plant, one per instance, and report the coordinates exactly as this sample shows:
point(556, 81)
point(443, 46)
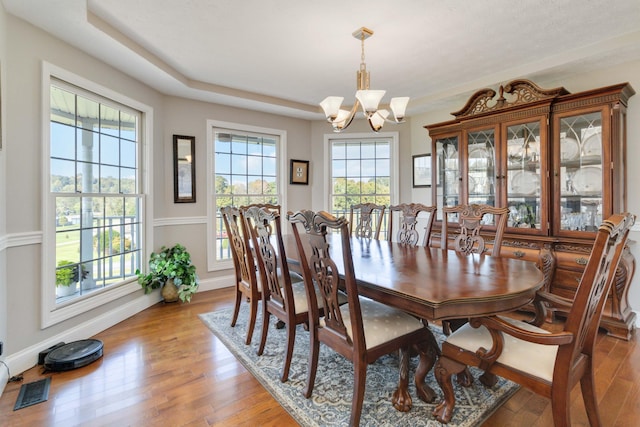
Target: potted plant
point(167, 268)
point(66, 278)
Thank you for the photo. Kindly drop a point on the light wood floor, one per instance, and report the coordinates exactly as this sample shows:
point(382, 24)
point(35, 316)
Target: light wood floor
point(163, 367)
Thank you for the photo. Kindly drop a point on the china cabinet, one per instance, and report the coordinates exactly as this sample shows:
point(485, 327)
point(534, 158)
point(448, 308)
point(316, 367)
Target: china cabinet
point(557, 160)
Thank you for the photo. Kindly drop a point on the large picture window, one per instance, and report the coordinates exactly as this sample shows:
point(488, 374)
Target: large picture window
point(361, 171)
point(95, 193)
point(246, 169)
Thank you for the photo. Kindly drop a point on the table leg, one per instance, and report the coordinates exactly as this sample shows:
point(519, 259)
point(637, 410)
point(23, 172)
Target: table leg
point(401, 398)
point(444, 370)
point(428, 350)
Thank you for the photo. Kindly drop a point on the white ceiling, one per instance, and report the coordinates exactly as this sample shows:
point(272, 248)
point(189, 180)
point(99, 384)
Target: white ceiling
point(285, 56)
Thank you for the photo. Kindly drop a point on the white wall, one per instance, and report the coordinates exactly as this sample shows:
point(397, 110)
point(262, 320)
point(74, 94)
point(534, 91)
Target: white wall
point(4, 375)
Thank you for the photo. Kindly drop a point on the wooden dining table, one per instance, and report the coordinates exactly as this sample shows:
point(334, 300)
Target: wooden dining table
point(432, 283)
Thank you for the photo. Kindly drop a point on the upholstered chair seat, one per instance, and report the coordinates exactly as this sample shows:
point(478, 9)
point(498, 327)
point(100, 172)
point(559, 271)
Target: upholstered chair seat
point(381, 323)
point(524, 356)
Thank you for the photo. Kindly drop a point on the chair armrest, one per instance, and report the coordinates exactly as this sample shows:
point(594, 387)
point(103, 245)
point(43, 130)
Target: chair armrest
point(494, 323)
point(554, 299)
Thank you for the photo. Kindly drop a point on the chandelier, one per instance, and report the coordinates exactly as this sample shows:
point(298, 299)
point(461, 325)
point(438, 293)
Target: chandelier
point(369, 99)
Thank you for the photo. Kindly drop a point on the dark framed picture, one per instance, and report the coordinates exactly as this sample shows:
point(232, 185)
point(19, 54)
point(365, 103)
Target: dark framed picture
point(184, 169)
point(299, 172)
point(422, 170)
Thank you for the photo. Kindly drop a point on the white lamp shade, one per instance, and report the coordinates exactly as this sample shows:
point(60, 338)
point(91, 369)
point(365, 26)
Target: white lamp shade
point(377, 119)
point(341, 120)
point(330, 105)
point(370, 100)
point(399, 107)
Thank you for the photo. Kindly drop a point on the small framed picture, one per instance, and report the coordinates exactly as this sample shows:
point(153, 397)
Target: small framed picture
point(422, 170)
point(299, 173)
point(184, 169)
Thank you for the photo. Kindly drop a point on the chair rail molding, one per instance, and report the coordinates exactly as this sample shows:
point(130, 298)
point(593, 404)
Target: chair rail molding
point(186, 220)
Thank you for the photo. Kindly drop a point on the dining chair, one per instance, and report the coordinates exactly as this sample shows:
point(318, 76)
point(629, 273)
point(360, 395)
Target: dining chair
point(407, 233)
point(283, 292)
point(268, 206)
point(361, 330)
point(247, 284)
point(469, 221)
point(549, 364)
point(365, 214)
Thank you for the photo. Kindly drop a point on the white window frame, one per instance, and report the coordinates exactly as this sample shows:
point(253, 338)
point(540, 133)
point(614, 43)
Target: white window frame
point(52, 313)
point(394, 141)
point(212, 127)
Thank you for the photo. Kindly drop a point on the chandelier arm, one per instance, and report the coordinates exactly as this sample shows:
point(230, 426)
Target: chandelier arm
point(373, 128)
point(347, 121)
point(393, 120)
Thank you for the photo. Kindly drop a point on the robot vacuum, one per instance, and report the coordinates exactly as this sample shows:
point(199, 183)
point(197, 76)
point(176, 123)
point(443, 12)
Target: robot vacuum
point(73, 355)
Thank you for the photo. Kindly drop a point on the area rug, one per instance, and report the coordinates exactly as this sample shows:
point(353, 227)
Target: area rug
point(330, 403)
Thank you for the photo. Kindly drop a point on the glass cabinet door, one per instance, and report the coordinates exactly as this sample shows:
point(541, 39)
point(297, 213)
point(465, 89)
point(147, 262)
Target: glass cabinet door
point(524, 176)
point(580, 172)
point(447, 173)
point(481, 167)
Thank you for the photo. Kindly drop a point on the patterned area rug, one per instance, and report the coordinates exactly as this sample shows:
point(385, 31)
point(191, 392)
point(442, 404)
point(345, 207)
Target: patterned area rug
point(330, 404)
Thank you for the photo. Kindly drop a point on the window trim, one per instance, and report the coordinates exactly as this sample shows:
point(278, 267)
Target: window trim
point(52, 313)
point(395, 168)
point(212, 127)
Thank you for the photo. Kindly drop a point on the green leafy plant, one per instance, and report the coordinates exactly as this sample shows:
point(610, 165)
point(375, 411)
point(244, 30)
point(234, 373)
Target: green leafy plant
point(170, 263)
point(65, 275)
point(70, 273)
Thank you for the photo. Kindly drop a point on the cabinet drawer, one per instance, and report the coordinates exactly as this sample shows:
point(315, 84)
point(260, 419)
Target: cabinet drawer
point(572, 261)
point(520, 253)
point(565, 282)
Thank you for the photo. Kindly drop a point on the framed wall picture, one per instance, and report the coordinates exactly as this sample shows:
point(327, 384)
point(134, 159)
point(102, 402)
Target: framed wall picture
point(422, 170)
point(299, 172)
point(184, 169)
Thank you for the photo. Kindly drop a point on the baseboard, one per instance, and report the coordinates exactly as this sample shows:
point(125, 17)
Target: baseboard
point(28, 357)
point(4, 377)
point(216, 283)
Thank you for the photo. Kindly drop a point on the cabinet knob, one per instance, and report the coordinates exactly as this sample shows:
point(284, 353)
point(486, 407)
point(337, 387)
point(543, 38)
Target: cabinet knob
point(518, 254)
point(581, 261)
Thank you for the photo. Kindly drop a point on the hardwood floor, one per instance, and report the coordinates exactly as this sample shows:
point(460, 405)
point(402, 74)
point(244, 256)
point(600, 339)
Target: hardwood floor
point(163, 367)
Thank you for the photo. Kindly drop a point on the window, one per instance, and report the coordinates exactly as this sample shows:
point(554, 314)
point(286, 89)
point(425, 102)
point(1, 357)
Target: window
point(94, 236)
point(246, 165)
point(362, 170)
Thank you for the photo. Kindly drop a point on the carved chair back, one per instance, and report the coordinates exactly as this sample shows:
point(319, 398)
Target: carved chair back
point(368, 222)
point(408, 219)
point(470, 220)
point(247, 284)
point(323, 271)
point(241, 253)
point(263, 223)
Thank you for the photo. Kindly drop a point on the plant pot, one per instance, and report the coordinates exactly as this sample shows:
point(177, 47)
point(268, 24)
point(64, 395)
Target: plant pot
point(65, 291)
point(169, 291)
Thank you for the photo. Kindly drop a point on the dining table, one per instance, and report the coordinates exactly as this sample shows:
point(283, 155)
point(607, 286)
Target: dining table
point(432, 284)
